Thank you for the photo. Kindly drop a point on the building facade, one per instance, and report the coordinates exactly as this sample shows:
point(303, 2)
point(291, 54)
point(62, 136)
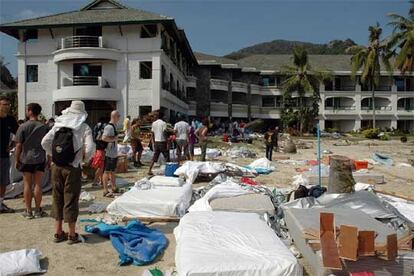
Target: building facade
point(114, 57)
point(108, 55)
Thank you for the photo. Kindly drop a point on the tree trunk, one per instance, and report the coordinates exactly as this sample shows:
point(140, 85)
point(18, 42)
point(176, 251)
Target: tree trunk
point(300, 116)
point(340, 175)
point(373, 104)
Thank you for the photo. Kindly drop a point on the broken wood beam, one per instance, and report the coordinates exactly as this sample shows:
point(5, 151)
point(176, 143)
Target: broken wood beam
point(348, 242)
point(329, 248)
point(366, 243)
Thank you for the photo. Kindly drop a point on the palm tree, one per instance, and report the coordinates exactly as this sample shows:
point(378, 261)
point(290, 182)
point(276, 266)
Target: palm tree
point(403, 38)
point(303, 80)
point(367, 59)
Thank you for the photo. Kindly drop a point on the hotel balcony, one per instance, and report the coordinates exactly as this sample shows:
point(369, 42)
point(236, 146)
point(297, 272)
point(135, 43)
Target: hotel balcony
point(340, 110)
point(191, 81)
point(379, 110)
point(271, 90)
point(219, 109)
point(239, 87)
point(407, 111)
point(239, 110)
point(218, 84)
point(270, 112)
point(86, 88)
point(255, 89)
point(84, 47)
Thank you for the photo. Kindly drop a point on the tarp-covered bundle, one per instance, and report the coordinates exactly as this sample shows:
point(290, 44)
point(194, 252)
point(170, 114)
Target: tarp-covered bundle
point(226, 243)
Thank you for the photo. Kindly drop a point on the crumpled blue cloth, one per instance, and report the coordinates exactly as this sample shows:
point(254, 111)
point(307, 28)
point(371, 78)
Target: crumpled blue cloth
point(259, 170)
point(135, 243)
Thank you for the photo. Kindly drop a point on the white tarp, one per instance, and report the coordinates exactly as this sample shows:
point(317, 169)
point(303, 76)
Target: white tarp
point(210, 153)
point(166, 181)
point(405, 207)
point(20, 262)
point(262, 163)
point(191, 169)
point(229, 188)
point(154, 202)
point(227, 243)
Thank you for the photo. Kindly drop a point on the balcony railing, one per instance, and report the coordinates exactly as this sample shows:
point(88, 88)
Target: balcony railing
point(384, 108)
point(339, 107)
point(81, 41)
point(410, 109)
point(85, 81)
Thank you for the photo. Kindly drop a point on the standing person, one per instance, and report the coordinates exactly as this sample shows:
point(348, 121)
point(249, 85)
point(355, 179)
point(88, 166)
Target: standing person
point(68, 142)
point(270, 138)
point(192, 140)
point(201, 134)
point(127, 128)
point(182, 129)
point(8, 125)
point(136, 143)
point(159, 140)
point(31, 159)
point(50, 123)
point(110, 136)
point(275, 141)
point(98, 160)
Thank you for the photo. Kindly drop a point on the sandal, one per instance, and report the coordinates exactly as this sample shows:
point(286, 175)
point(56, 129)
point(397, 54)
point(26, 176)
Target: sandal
point(108, 194)
point(76, 239)
point(60, 237)
point(115, 191)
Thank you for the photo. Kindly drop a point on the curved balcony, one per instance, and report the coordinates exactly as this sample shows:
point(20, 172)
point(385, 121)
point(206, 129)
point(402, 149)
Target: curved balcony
point(219, 109)
point(86, 88)
point(217, 84)
point(255, 89)
point(84, 47)
point(237, 86)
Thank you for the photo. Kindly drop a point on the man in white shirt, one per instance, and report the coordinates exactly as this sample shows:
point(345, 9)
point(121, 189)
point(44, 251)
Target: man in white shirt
point(159, 140)
point(182, 129)
point(66, 176)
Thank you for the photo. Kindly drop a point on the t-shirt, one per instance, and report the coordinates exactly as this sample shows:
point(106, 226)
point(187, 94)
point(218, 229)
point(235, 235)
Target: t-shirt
point(30, 134)
point(8, 125)
point(182, 128)
point(158, 128)
point(111, 148)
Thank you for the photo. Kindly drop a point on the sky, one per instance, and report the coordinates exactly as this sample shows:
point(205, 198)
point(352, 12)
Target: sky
point(221, 27)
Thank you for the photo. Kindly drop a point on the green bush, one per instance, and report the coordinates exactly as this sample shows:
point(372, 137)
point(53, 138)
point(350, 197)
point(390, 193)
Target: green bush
point(385, 137)
point(371, 133)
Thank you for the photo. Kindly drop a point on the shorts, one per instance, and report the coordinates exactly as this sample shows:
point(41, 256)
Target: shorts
point(181, 143)
point(110, 164)
point(4, 171)
point(161, 147)
point(98, 159)
point(32, 168)
point(136, 145)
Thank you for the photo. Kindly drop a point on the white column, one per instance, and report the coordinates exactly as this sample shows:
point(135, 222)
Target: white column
point(394, 123)
point(357, 124)
point(21, 92)
point(156, 82)
point(322, 123)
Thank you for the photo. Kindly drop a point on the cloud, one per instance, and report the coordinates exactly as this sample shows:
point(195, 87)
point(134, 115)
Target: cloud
point(27, 13)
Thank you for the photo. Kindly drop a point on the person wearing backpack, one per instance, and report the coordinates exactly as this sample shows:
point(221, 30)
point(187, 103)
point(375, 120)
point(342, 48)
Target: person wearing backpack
point(110, 136)
point(98, 160)
point(69, 143)
point(31, 159)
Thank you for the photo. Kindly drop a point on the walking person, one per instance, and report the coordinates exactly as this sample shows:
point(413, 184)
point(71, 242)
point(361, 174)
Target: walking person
point(68, 142)
point(98, 160)
point(192, 140)
point(110, 136)
point(159, 140)
point(8, 126)
point(201, 134)
point(182, 129)
point(136, 143)
point(270, 139)
point(31, 159)
point(127, 128)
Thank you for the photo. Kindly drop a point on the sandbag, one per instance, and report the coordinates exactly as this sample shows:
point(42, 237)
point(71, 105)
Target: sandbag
point(20, 262)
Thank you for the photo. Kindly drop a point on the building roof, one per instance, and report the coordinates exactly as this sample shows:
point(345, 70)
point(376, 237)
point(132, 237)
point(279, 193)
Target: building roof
point(92, 14)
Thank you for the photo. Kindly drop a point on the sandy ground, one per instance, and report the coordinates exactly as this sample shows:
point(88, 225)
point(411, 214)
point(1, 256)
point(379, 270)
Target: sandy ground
point(97, 256)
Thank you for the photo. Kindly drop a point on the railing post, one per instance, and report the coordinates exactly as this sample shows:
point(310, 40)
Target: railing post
point(62, 42)
point(100, 82)
point(100, 42)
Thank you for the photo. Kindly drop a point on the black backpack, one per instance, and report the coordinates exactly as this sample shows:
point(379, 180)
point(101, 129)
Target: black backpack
point(63, 152)
point(97, 136)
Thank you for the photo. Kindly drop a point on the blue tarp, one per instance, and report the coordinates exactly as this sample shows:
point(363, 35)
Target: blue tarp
point(135, 243)
point(259, 170)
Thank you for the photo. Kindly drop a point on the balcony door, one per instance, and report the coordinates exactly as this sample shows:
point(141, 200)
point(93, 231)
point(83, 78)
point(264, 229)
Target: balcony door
point(86, 73)
point(88, 31)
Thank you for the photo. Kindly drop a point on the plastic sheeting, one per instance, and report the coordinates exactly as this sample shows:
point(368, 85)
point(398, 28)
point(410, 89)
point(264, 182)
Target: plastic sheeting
point(153, 202)
point(405, 207)
point(135, 243)
point(20, 262)
point(210, 153)
point(226, 243)
point(166, 181)
point(191, 169)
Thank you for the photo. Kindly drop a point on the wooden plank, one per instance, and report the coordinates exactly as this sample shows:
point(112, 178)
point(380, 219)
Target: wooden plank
point(348, 242)
point(366, 243)
point(153, 219)
point(392, 247)
point(329, 248)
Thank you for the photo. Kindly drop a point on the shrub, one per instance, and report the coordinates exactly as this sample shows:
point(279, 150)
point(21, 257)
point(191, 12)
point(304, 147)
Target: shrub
point(371, 133)
point(385, 137)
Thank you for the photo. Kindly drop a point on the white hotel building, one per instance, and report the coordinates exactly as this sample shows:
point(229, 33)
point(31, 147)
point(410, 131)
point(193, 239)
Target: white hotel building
point(115, 57)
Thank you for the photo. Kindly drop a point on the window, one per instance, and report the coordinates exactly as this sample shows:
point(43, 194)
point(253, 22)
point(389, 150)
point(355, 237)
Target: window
point(31, 73)
point(145, 70)
point(148, 31)
point(268, 101)
point(31, 34)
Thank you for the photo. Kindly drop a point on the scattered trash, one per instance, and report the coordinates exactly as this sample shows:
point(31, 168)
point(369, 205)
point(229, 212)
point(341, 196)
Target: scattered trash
point(403, 165)
point(97, 207)
point(86, 196)
point(20, 262)
point(289, 147)
point(242, 152)
point(383, 159)
point(327, 151)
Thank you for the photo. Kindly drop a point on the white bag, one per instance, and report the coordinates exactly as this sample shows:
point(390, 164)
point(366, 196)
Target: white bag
point(20, 262)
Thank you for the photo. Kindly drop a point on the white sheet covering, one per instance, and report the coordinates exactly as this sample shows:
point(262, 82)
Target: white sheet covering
point(225, 189)
point(20, 262)
point(230, 244)
point(166, 181)
point(155, 202)
point(191, 169)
